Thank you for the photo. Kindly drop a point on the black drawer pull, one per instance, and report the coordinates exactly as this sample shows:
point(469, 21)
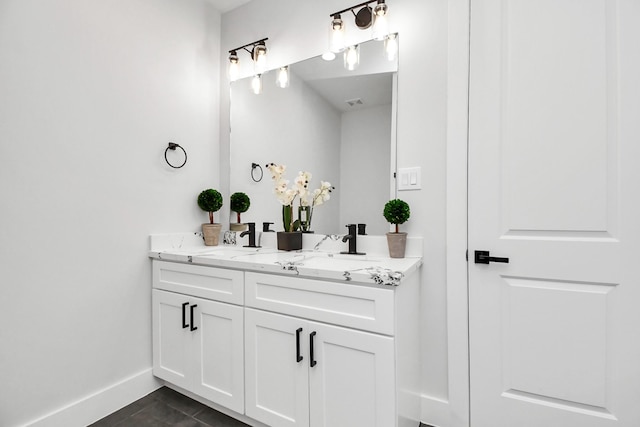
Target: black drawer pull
point(312, 361)
point(193, 327)
point(298, 355)
point(184, 315)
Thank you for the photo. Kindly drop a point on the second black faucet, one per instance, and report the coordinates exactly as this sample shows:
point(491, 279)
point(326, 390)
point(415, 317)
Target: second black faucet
point(352, 238)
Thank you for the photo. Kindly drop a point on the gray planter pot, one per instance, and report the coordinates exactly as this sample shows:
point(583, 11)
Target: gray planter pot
point(234, 226)
point(397, 243)
point(211, 233)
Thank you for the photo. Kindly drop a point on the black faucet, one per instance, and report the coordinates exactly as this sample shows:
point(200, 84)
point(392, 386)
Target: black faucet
point(252, 235)
point(351, 237)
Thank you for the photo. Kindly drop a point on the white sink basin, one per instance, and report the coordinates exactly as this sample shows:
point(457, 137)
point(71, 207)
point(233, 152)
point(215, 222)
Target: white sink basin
point(227, 252)
point(339, 262)
point(215, 251)
point(265, 257)
point(324, 261)
point(198, 251)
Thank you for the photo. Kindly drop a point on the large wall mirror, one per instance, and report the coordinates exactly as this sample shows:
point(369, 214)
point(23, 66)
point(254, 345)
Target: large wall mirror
point(338, 125)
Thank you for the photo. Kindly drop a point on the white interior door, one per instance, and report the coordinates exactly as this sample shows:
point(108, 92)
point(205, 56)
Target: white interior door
point(554, 185)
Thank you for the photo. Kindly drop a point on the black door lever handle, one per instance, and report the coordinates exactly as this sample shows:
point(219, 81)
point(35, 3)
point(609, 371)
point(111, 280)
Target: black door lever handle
point(482, 257)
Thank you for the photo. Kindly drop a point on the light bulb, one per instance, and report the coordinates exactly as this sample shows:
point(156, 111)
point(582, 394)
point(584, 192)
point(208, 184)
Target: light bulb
point(234, 66)
point(336, 34)
point(380, 21)
point(256, 84)
point(259, 58)
point(352, 57)
point(391, 47)
point(282, 78)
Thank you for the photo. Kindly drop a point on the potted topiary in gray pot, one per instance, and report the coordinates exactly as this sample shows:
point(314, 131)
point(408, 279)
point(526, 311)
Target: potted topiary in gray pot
point(210, 200)
point(396, 212)
point(240, 203)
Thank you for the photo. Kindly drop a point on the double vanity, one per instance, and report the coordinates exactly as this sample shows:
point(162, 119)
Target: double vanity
point(307, 338)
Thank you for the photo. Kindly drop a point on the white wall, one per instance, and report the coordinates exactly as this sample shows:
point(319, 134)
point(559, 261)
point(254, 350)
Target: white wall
point(298, 30)
point(365, 168)
point(308, 139)
point(91, 93)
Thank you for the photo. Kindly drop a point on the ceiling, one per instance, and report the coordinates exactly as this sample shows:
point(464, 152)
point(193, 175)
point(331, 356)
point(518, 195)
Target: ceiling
point(371, 82)
point(227, 5)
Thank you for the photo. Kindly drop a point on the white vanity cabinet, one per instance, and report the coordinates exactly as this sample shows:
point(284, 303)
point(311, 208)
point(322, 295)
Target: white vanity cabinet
point(197, 339)
point(319, 353)
point(286, 350)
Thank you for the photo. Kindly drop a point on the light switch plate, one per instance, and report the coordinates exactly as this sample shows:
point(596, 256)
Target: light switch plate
point(409, 179)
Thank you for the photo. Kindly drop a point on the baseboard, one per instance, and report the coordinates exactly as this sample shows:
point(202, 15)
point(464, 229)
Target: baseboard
point(98, 405)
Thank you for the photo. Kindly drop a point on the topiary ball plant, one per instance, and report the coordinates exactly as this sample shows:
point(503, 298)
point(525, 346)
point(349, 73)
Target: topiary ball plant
point(210, 200)
point(240, 203)
point(396, 212)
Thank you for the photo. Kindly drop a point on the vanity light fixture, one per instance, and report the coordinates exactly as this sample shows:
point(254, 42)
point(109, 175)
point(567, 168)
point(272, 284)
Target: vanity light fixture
point(258, 54)
point(391, 46)
point(336, 34)
point(352, 57)
point(282, 78)
point(380, 21)
point(234, 69)
point(256, 84)
point(363, 19)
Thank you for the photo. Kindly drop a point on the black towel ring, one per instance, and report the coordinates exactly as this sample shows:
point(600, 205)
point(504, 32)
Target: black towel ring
point(255, 166)
point(173, 146)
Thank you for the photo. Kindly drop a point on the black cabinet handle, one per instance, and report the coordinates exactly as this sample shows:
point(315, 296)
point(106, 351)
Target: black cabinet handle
point(298, 355)
point(184, 315)
point(312, 361)
point(482, 257)
point(193, 328)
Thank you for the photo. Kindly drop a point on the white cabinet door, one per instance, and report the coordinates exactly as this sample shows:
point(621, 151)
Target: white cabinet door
point(554, 121)
point(171, 342)
point(302, 373)
point(198, 345)
point(276, 378)
point(352, 382)
point(218, 353)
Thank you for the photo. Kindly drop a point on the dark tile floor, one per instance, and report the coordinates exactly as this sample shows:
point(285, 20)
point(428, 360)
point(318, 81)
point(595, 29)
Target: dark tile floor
point(165, 407)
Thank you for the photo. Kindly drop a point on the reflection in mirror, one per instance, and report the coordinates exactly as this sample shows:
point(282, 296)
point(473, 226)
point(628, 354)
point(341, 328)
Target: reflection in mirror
point(338, 125)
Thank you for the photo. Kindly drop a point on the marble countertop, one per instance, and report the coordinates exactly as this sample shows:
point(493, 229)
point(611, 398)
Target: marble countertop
point(312, 262)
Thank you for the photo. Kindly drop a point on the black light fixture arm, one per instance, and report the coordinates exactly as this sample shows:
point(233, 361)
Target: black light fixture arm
point(252, 44)
point(350, 9)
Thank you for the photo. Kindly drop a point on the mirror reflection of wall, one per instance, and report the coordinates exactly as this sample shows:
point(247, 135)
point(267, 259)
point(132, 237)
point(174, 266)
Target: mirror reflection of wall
point(334, 123)
point(365, 167)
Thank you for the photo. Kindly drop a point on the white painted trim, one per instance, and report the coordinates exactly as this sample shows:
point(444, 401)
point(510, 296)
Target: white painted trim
point(93, 407)
point(454, 411)
point(438, 411)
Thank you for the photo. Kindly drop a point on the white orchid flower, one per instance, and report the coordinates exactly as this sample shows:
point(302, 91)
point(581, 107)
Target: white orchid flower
point(281, 186)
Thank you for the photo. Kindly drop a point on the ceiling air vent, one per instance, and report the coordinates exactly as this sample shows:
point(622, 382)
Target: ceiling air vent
point(354, 102)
